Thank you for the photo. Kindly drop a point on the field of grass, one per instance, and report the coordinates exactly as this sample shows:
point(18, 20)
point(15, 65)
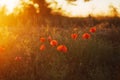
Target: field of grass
point(96, 58)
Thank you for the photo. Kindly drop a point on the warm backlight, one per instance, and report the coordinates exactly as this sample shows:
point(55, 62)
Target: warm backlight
point(84, 8)
point(16, 6)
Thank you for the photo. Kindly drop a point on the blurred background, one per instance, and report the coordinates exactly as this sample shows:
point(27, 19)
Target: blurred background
point(32, 32)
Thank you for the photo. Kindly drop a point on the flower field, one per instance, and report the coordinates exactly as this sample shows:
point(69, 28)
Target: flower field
point(33, 51)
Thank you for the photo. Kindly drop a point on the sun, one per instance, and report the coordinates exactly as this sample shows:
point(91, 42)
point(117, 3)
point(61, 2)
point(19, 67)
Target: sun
point(16, 6)
point(9, 5)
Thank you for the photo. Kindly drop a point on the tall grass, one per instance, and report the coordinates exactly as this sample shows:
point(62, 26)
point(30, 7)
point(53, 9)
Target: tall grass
point(90, 59)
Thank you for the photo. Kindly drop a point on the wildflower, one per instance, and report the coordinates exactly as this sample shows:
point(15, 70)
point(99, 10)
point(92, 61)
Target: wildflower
point(42, 39)
point(18, 58)
point(86, 36)
point(74, 36)
point(62, 48)
point(93, 29)
point(49, 38)
point(53, 43)
point(42, 47)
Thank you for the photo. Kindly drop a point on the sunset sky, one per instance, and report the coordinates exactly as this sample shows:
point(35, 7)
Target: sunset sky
point(81, 8)
point(78, 8)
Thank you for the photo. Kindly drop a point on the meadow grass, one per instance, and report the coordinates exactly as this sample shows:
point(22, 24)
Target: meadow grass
point(86, 59)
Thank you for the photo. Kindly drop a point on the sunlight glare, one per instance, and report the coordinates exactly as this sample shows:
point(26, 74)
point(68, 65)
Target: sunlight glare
point(16, 6)
point(80, 8)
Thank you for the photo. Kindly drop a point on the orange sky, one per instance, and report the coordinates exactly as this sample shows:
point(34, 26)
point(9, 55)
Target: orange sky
point(16, 6)
point(78, 8)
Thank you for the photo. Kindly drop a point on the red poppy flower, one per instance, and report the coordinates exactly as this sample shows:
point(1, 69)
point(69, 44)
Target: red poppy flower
point(74, 36)
point(62, 48)
point(42, 39)
point(18, 58)
point(42, 47)
point(53, 43)
point(49, 38)
point(86, 36)
point(93, 29)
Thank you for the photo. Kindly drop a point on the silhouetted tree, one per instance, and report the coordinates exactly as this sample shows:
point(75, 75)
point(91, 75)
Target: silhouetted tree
point(44, 10)
point(113, 10)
